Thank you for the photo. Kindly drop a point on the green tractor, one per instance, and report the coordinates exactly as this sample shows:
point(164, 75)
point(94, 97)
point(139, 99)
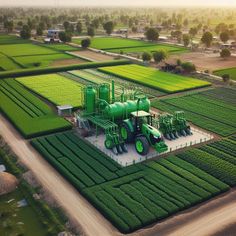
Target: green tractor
point(138, 129)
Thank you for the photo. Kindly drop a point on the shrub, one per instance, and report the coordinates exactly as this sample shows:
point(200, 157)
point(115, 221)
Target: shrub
point(146, 56)
point(160, 55)
point(85, 43)
point(188, 67)
point(225, 53)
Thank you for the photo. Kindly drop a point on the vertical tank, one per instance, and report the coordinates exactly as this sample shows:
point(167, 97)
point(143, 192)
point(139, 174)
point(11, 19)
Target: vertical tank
point(90, 99)
point(104, 92)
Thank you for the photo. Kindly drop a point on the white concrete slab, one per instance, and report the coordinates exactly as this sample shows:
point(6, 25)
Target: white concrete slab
point(126, 159)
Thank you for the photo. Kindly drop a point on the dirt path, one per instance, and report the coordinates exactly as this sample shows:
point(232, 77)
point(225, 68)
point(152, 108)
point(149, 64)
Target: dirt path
point(206, 61)
point(93, 56)
point(89, 219)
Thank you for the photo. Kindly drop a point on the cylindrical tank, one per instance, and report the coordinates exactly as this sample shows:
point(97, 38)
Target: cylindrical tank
point(90, 99)
point(119, 110)
point(104, 92)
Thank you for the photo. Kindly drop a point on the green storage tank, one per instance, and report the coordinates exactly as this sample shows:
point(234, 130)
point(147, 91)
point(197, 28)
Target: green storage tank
point(104, 92)
point(119, 110)
point(90, 99)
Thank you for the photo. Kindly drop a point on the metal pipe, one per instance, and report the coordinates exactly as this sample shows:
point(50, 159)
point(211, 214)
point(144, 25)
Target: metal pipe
point(113, 91)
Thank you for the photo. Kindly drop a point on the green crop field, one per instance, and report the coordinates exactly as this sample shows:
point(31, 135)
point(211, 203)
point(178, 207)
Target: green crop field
point(23, 49)
point(211, 110)
point(116, 45)
point(136, 196)
point(229, 71)
point(61, 47)
point(139, 50)
point(153, 78)
point(40, 60)
point(11, 39)
point(7, 63)
point(56, 88)
point(28, 113)
point(112, 43)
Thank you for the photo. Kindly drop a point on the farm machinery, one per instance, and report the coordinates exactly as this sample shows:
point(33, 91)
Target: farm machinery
point(174, 126)
point(127, 120)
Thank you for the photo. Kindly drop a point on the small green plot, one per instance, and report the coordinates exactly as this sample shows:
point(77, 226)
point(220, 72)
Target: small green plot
point(24, 49)
point(56, 88)
point(41, 60)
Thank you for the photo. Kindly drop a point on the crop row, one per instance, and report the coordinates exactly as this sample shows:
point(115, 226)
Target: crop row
point(77, 157)
point(160, 80)
point(215, 110)
point(219, 116)
point(226, 95)
point(160, 189)
point(28, 113)
point(136, 196)
point(228, 146)
point(217, 167)
point(220, 153)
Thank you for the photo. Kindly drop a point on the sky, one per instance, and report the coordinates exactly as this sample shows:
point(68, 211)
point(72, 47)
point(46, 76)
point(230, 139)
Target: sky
point(168, 3)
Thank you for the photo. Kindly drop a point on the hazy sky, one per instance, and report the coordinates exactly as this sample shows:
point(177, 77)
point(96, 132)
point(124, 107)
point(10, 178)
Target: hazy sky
point(169, 3)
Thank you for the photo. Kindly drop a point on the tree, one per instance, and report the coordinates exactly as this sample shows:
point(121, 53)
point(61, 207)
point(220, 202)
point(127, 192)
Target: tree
point(95, 23)
point(188, 67)
point(193, 31)
point(79, 27)
point(65, 36)
point(25, 33)
point(224, 37)
point(176, 34)
point(66, 25)
point(90, 31)
point(146, 56)
point(8, 25)
point(226, 78)
point(225, 53)
point(152, 34)
point(85, 43)
point(108, 27)
point(178, 62)
point(39, 31)
point(186, 39)
point(160, 55)
point(207, 38)
point(20, 23)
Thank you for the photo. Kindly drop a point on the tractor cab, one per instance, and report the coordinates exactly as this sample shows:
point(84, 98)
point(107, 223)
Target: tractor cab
point(138, 128)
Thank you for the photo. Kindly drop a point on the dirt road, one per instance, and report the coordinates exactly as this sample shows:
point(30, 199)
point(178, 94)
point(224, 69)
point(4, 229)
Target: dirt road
point(89, 219)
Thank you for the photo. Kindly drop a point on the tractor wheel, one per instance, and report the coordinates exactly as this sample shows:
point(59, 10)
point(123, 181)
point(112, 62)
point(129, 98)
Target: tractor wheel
point(142, 145)
point(126, 133)
point(108, 143)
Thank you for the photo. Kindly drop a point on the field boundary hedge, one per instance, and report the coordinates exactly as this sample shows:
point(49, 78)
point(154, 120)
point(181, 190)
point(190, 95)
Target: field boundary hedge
point(48, 70)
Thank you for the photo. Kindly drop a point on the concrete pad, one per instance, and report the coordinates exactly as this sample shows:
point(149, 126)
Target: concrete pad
point(132, 157)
